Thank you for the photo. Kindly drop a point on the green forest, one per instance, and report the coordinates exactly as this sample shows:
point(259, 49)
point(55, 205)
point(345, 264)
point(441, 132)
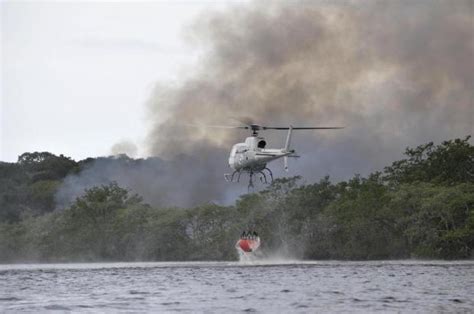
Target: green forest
point(419, 207)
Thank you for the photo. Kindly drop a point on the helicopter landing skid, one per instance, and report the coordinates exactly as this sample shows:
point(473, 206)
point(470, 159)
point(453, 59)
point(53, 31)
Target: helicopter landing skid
point(230, 177)
point(270, 173)
point(263, 177)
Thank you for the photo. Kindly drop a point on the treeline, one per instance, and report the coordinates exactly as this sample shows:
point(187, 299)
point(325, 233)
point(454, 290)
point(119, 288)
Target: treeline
point(419, 207)
point(30, 184)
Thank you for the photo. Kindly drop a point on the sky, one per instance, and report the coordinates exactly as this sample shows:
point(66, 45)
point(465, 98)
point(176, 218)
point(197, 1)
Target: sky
point(75, 75)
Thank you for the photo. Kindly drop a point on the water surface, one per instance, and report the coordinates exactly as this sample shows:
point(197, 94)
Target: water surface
point(408, 286)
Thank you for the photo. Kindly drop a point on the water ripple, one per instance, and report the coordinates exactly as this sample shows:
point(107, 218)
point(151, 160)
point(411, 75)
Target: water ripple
point(411, 286)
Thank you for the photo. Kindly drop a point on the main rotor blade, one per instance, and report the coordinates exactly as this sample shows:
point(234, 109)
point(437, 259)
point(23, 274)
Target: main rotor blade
point(303, 128)
point(217, 126)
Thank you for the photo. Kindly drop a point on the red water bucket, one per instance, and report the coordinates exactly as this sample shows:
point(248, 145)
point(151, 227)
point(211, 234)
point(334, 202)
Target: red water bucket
point(247, 245)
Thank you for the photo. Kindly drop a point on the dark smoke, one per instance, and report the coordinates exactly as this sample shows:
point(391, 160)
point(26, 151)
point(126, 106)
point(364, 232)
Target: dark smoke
point(160, 183)
point(395, 73)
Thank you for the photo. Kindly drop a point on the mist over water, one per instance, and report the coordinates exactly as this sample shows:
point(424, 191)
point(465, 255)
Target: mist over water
point(396, 74)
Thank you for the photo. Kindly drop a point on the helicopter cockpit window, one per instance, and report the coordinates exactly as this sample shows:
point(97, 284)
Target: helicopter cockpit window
point(261, 144)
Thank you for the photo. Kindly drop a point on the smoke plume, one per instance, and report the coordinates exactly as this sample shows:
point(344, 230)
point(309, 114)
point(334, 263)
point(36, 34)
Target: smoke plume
point(394, 73)
point(124, 147)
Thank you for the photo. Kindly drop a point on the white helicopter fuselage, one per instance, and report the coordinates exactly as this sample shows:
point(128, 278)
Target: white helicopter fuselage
point(253, 156)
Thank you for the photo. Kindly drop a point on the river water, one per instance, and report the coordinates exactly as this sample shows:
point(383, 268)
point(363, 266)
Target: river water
point(265, 286)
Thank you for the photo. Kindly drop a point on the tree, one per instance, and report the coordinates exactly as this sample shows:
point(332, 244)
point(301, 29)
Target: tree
point(46, 166)
point(89, 225)
point(449, 163)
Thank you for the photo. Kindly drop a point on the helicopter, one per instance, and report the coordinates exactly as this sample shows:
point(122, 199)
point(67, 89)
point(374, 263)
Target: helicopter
point(252, 156)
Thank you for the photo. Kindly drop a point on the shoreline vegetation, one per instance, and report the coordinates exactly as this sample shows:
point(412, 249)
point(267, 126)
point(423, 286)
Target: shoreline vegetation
point(419, 207)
